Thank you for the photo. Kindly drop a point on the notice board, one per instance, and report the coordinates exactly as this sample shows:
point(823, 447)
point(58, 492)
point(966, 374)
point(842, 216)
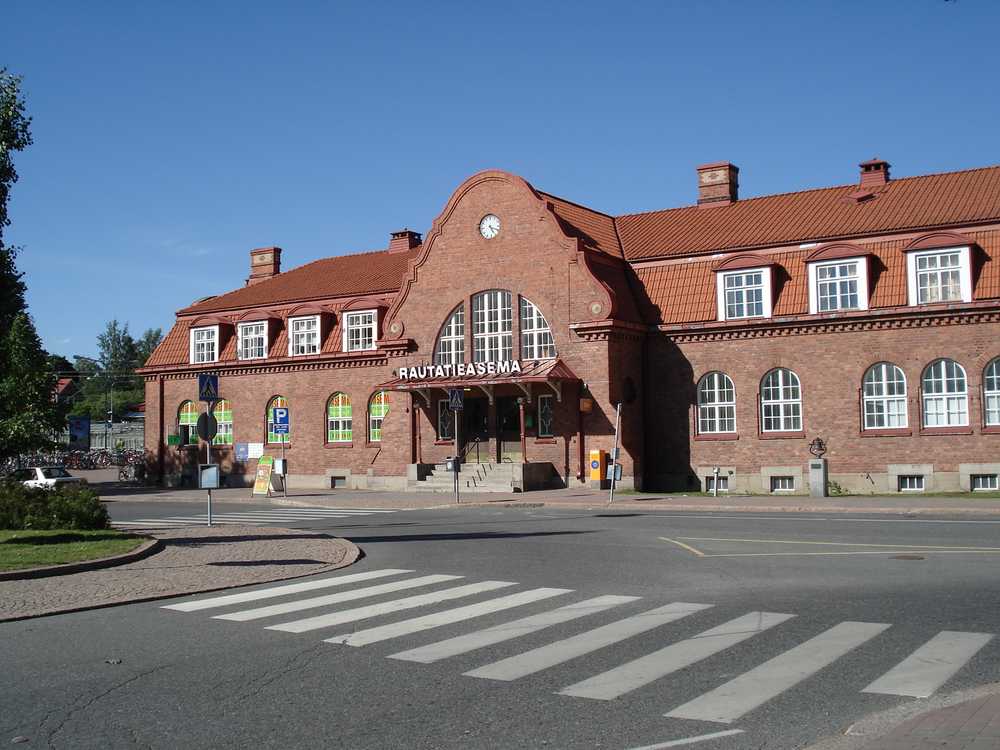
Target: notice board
point(262, 482)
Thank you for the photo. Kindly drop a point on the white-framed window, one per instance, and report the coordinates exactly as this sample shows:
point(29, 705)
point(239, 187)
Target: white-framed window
point(945, 395)
point(744, 293)
point(546, 416)
point(991, 393)
point(716, 404)
point(204, 344)
point(450, 349)
point(378, 409)
point(723, 483)
point(223, 413)
point(252, 340)
point(359, 330)
point(911, 482)
point(339, 419)
point(492, 326)
point(536, 336)
point(939, 276)
point(884, 397)
point(984, 482)
point(446, 421)
point(303, 335)
point(781, 402)
point(838, 285)
point(782, 484)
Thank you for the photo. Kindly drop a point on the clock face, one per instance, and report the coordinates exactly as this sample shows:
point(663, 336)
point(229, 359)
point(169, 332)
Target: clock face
point(489, 226)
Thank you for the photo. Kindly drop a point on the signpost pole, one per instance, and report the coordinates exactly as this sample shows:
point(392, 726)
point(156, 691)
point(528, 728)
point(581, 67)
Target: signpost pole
point(208, 458)
point(284, 470)
point(458, 459)
point(614, 454)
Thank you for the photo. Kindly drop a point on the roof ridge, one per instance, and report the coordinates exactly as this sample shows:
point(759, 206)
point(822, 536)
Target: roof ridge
point(743, 201)
point(574, 203)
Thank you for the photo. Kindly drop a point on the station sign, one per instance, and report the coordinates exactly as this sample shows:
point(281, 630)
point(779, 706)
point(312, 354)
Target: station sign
point(460, 370)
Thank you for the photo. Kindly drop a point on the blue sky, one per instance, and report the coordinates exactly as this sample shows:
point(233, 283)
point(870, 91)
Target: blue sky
point(171, 138)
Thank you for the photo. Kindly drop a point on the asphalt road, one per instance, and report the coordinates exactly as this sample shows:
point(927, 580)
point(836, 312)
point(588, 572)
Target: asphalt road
point(760, 630)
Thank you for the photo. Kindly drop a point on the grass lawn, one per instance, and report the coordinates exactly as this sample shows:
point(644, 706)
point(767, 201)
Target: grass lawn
point(32, 549)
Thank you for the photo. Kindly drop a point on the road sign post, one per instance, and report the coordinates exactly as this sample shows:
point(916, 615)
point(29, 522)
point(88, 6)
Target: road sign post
point(456, 402)
point(208, 426)
point(281, 424)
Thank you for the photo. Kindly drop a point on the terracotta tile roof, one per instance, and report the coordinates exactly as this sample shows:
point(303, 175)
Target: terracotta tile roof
point(343, 275)
point(595, 229)
point(814, 215)
point(685, 292)
point(174, 349)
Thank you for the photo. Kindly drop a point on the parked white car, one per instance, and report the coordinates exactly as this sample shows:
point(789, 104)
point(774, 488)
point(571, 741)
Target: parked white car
point(45, 477)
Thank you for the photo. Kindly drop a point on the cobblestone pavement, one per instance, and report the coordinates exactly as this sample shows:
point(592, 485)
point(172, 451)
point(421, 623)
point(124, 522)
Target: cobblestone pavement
point(972, 725)
point(193, 559)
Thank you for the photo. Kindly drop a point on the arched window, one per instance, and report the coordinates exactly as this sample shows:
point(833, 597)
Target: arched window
point(716, 403)
point(339, 424)
point(536, 337)
point(492, 326)
point(991, 392)
point(187, 415)
point(946, 400)
point(378, 407)
point(781, 402)
point(884, 397)
point(450, 349)
point(278, 402)
point(223, 413)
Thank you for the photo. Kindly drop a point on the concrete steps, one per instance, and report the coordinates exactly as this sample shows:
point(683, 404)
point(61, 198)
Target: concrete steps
point(473, 478)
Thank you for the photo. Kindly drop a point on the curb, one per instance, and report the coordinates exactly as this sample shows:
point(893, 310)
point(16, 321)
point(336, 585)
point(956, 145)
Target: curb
point(351, 556)
point(145, 549)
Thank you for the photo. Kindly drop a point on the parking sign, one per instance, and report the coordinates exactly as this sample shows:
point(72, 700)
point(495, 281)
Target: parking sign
point(280, 420)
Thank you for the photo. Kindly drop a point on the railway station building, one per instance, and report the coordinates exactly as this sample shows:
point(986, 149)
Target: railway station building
point(733, 332)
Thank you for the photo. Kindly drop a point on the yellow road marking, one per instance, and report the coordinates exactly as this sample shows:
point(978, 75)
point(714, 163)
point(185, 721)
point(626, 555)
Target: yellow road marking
point(688, 547)
point(840, 544)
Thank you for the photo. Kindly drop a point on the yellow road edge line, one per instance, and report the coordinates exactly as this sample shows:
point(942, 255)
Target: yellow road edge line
point(688, 547)
point(836, 544)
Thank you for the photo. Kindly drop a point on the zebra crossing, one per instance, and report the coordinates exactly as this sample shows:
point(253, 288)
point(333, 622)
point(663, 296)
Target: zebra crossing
point(316, 605)
point(270, 517)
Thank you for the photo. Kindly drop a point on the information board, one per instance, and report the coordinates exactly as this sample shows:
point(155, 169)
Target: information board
point(262, 482)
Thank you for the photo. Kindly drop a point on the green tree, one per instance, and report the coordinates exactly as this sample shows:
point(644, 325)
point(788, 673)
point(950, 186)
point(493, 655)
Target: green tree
point(28, 415)
point(147, 344)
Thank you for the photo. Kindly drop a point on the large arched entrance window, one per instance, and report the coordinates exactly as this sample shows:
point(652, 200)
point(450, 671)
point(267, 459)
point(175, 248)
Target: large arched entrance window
point(536, 336)
point(450, 349)
point(884, 397)
point(945, 396)
point(492, 326)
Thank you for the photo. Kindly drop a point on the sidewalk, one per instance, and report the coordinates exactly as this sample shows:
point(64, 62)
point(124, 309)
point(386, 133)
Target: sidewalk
point(194, 559)
point(972, 725)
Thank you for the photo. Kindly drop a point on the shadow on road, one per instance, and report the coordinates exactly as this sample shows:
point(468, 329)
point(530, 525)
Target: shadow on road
point(459, 536)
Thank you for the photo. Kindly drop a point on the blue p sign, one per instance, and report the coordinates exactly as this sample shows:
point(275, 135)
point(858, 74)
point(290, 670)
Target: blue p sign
point(280, 420)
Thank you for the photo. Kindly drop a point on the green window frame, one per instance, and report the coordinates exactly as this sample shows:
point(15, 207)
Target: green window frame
point(187, 414)
point(378, 408)
point(223, 413)
point(272, 437)
point(339, 421)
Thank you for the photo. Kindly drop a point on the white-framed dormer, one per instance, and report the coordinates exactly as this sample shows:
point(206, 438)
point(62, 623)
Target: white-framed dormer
point(744, 288)
point(204, 344)
point(938, 269)
point(360, 330)
point(252, 339)
point(304, 335)
point(838, 278)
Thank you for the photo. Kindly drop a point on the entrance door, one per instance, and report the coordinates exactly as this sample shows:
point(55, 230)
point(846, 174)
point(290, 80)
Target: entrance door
point(476, 425)
point(509, 429)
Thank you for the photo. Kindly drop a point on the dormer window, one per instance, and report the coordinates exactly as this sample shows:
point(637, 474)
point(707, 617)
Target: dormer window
point(838, 278)
point(359, 330)
point(252, 340)
point(204, 344)
point(303, 335)
point(939, 269)
point(744, 294)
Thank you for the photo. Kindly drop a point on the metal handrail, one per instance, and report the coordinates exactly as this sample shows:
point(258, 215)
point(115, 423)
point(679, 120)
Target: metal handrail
point(468, 447)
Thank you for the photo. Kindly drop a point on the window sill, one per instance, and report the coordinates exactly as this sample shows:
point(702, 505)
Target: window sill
point(339, 445)
point(545, 441)
point(781, 435)
point(991, 429)
point(717, 436)
point(286, 446)
point(888, 432)
point(963, 430)
point(444, 442)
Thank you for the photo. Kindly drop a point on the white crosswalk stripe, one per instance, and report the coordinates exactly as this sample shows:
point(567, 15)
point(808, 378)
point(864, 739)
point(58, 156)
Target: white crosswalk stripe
point(418, 624)
point(481, 638)
point(918, 675)
point(646, 669)
point(931, 665)
point(285, 590)
point(258, 517)
point(561, 651)
point(398, 605)
point(751, 689)
point(328, 599)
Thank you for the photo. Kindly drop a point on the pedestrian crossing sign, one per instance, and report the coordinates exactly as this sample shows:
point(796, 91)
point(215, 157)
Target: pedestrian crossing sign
point(208, 387)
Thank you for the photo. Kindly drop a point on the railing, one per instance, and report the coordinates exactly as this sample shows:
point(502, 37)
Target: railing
point(468, 447)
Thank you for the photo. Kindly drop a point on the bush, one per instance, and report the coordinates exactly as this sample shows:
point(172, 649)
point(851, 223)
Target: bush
point(61, 508)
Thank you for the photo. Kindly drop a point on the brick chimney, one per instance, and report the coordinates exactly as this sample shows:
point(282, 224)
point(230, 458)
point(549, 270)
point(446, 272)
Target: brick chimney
point(265, 262)
point(718, 184)
point(874, 172)
point(403, 240)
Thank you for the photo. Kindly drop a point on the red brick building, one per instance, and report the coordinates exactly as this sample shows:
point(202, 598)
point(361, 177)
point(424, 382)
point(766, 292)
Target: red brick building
point(732, 331)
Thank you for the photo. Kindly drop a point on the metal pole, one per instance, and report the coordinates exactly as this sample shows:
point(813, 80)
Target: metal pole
point(284, 469)
point(208, 457)
point(715, 483)
point(614, 454)
point(458, 460)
